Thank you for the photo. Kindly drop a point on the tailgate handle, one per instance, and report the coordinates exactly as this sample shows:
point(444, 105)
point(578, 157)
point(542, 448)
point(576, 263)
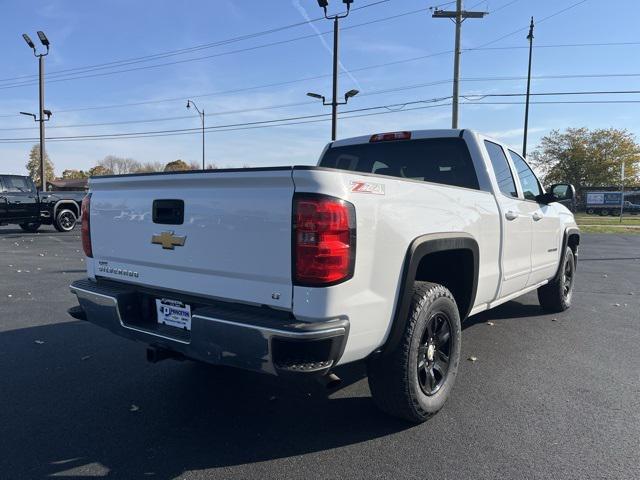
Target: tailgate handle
point(168, 212)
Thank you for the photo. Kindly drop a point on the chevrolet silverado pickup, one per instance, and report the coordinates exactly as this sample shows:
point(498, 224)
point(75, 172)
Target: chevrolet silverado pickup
point(22, 204)
point(376, 254)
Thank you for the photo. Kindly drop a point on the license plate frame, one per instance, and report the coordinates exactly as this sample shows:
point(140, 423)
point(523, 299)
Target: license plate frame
point(173, 313)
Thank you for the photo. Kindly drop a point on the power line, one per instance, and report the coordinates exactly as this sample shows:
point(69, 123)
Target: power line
point(327, 118)
point(368, 67)
point(392, 107)
point(363, 94)
point(185, 50)
point(544, 19)
point(232, 52)
point(67, 77)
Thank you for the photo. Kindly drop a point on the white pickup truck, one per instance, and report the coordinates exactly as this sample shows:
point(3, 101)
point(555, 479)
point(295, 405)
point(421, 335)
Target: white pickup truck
point(377, 254)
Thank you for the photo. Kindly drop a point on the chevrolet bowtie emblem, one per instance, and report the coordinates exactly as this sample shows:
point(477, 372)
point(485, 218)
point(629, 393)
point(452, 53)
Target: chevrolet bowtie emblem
point(168, 240)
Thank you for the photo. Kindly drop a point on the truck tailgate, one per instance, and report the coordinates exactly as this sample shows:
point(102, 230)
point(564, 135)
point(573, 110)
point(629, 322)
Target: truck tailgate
point(236, 233)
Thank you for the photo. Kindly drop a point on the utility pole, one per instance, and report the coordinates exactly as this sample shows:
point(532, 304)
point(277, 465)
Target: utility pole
point(458, 16)
point(526, 108)
point(41, 112)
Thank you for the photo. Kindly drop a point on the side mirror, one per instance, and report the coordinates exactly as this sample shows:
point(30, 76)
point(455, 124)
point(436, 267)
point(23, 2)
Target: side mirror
point(563, 191)
point(559, 192)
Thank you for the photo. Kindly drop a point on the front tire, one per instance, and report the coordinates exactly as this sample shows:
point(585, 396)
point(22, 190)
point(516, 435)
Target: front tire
point(556, 295)
point(65, 220)
point(414, 381)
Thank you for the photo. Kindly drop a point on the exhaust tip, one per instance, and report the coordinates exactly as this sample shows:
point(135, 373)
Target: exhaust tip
point(330, 381)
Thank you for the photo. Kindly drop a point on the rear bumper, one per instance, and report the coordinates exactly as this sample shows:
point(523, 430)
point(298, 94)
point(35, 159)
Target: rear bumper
point(251, 338)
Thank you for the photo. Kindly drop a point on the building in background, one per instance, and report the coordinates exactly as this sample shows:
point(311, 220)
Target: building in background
point(68, 184)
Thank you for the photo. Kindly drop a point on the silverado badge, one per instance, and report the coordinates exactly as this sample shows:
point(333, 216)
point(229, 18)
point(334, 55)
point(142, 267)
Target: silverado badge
point(168, 240)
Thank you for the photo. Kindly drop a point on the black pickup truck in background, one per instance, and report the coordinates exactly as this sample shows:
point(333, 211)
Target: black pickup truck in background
point(22, 204)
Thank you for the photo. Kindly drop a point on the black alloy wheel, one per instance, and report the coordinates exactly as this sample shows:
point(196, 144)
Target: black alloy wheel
point(433, 353)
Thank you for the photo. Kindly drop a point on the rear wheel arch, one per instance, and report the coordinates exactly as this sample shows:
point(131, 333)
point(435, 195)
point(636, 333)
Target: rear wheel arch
point(66, 205)
point(424, 259)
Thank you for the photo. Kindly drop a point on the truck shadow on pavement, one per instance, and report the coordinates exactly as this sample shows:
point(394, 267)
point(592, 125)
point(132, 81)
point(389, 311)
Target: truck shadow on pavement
point(82, 403)
point(76, 401)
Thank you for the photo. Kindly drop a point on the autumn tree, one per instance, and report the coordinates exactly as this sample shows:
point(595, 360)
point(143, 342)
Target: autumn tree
point(587, 158)
point(176, 166)
point(33, 165)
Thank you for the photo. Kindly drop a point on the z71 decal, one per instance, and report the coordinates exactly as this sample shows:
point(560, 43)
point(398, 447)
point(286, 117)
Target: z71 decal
point(366, 187)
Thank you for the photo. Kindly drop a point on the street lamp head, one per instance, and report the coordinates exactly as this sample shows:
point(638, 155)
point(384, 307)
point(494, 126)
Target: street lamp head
point(47, 113)
point(315, 95)
point(347, 3)
point(323, 3)
point(351, 94)
point(28, 114)
point(28, 40)
point(43, 38)
point(188, 103)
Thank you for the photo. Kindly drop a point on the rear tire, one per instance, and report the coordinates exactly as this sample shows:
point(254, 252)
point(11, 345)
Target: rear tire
point(414, 381)
point(31, 227)
point(604, 213)
point(556, 295)
point(65, 220)
point(589, 211)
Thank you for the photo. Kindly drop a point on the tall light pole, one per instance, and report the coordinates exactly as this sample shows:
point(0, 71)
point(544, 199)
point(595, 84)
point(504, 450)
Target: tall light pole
point(45, 41)
point(458, 16)
point(336, 38)
point(526, 107)
point(201, 113)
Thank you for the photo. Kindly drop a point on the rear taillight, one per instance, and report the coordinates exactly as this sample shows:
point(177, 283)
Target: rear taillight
point(86, 226)
point(324, 240)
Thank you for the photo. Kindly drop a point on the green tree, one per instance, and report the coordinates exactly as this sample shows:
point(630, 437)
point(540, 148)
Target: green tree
point(33, 165)
point(71, 174)
point(176, 166)
point(587, 158)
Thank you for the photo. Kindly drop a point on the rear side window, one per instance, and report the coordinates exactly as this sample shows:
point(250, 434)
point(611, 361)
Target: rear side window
point(501, 168)
point(528, 181)
point(438, 160)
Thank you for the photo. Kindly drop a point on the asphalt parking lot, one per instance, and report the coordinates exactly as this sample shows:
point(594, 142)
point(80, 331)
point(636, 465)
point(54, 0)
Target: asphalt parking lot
point(550, 396)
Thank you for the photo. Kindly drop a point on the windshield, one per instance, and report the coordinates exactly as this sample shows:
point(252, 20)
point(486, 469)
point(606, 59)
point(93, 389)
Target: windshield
point(438, 160)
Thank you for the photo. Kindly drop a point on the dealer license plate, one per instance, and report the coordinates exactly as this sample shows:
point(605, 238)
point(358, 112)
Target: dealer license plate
point(174, 313)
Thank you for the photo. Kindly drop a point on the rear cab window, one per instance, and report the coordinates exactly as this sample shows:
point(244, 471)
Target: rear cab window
point(438, 160)
point(501, 169)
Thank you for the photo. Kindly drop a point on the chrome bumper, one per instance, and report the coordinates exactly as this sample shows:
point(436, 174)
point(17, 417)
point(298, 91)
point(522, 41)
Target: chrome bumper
point(251, 338)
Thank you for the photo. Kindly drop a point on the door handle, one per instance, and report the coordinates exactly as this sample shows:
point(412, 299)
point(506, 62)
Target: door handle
point(537, 216)
point(511, 215)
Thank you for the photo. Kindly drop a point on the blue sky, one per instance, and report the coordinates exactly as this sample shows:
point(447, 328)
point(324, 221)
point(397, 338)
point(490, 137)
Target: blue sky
point(88, 33)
